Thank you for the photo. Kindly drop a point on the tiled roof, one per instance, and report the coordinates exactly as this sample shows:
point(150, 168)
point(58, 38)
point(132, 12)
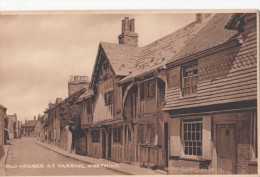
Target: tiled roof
point(11, 117)
point(213, 34)
point(158, 53)
point(31, 123)
point(195, 37)
point(122, 58)
point(85, 95)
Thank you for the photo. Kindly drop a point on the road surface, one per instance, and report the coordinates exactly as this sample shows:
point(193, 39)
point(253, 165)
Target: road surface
point(26, 158)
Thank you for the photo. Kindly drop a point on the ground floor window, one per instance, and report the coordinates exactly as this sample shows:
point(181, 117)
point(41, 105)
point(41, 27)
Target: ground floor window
point(95, 134)
point(192, 136)
point(147, 133)
point(117, 135)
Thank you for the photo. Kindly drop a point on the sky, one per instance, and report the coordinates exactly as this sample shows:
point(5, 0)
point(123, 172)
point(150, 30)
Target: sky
point(39, 52)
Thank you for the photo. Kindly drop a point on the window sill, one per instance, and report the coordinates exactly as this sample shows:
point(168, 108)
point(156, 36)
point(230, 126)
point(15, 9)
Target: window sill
point(192, 158)
point(150, 145)
point(147, 114)
point(189, 96)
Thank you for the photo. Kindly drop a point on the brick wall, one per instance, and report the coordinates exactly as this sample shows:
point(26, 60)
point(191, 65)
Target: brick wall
point(186, 167)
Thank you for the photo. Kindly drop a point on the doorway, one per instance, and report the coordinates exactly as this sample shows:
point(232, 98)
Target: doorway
point(109, 143)
point(104, 144)
point(226, 149)
point(166, 144)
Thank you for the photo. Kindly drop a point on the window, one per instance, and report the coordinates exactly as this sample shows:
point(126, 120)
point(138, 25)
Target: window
point(150, 133)
point(117, 135)
point(189, 79)
point(141, 134)
point(148, 89)
point(108, 98)
point(254, 135)
point(192, 137)
point(95, 136)
point(147, 133)
point(89, 107)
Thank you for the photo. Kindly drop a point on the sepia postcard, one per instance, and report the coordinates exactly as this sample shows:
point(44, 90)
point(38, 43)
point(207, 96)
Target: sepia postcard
point(107, 93)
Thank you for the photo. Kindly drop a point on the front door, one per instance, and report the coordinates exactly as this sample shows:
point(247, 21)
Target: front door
point(166, 144)
point(226, 149)
point(109, 143)
point(104, 144)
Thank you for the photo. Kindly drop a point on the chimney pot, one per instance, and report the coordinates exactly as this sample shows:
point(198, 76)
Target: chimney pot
point(127, 24)
point(132, 25)
point(123, 26)
point(71, 77)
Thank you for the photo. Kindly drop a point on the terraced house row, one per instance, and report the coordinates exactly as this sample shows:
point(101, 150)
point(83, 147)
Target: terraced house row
point(186, 103)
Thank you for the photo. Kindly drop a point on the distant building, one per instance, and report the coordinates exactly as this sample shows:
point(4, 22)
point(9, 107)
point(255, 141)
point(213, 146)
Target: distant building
point(44, 127)
point(77, 83)
point(19, 124)
point(2, 126)
point(12, 126)
point(30, 128)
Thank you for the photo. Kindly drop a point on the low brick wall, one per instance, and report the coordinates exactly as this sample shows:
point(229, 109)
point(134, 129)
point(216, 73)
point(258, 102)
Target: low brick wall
point(188, 167)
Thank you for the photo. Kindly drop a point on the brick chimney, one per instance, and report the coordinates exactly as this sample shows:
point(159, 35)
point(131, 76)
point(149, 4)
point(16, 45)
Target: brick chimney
point(76, 83)
point(128, 35)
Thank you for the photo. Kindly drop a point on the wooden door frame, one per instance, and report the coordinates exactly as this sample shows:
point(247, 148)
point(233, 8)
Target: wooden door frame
point(104, 156)
point(217, 125)
point(109, 143)
point(166, 143)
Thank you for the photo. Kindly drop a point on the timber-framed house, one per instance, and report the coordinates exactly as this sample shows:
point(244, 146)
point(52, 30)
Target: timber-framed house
point(173, 102)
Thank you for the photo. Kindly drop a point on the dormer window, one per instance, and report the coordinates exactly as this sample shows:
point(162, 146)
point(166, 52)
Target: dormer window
point(189, 79)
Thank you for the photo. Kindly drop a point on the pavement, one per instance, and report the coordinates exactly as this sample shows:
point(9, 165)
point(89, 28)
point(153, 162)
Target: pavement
point(123, 168)
point(3, 159)
point(26, 158)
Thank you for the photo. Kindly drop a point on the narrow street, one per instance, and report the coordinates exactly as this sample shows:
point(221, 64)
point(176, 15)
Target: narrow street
point(26, 158)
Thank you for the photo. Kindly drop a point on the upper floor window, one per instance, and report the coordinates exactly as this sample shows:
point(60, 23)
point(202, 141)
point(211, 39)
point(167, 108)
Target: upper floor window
point(189, 79)
point(109, 98)
point(89, 107)
point(192, 136)
point(147, 89)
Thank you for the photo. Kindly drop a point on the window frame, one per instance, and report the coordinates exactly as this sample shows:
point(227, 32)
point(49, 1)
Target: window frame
point(148, 135)
point(95, 139)
point(108, 97)
point(89, 109)
point(184, 94)
point(145, 92)
point(117, 135)
point(183, 141)
point(253, 139)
